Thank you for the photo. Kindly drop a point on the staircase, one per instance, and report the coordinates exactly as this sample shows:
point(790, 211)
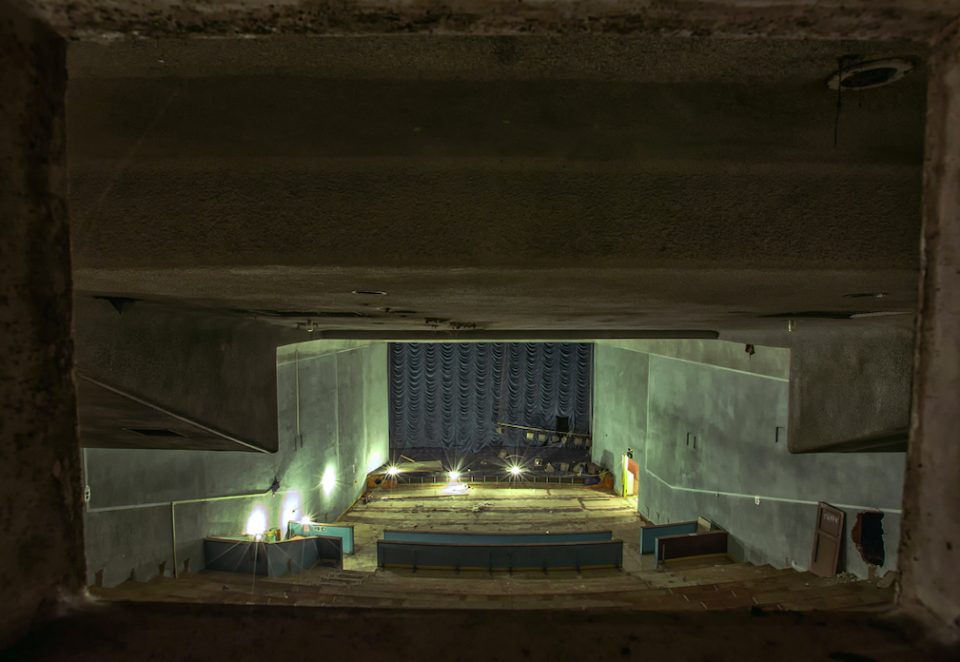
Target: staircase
point(701, 584)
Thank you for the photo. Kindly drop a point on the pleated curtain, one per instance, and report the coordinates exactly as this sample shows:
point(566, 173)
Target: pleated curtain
point(454, 395)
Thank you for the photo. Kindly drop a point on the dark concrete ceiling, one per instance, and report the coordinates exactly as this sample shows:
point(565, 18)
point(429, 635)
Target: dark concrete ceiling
point(504, 182)
point(797, 19)
point(110, 418)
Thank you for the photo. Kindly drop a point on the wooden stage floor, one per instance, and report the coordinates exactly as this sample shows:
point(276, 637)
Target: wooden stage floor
point(492, 509)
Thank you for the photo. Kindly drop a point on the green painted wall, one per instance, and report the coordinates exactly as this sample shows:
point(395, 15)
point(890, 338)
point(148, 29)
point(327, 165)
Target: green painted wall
point(739, 456)
point(343, 417)
point(619, 407)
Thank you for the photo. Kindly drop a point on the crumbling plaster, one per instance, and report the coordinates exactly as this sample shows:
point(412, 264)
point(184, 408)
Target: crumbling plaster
point(41, 558)
point(859, 19)
point(930, 543)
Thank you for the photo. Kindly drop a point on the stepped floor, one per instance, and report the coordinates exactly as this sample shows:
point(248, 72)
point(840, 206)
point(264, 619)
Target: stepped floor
point(707, 587)
point(700, 584)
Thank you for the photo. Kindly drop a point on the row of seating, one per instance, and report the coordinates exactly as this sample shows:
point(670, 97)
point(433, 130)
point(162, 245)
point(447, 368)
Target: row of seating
point(679, 540)
point(498, 552)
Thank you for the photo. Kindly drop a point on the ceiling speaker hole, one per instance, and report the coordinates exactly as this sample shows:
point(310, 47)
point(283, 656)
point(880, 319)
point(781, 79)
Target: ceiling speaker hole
point(867, 75)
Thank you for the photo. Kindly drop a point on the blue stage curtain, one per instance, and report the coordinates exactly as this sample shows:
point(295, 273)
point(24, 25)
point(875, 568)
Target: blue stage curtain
point(453, 395)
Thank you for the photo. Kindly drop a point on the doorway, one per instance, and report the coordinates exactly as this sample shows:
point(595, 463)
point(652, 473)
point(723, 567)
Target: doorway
point(631, 476)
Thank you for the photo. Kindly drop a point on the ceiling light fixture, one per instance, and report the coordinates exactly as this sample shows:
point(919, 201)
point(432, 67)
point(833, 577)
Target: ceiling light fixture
point(515, 470)
point(376, 293)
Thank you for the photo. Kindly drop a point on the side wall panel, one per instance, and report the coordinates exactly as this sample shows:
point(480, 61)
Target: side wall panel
point(739, 423)
point(343, 423)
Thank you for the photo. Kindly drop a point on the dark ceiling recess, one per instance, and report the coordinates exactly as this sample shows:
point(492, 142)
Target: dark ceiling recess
point(339, 313)
point(284, 313)
point(887, 441)
point(154, 432)
point(861, 295)
point(376, 293)
point(305, 314)
point(120, 304)
point(819, 314)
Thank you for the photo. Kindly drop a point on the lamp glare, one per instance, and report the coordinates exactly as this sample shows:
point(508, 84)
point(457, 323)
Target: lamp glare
point(256, 522)
point(329, 481)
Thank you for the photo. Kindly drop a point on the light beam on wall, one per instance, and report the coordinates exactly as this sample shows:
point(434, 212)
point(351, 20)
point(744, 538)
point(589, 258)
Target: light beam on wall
point(291, 508)
point(256, 522)
point(375, 461)
point(329, 481)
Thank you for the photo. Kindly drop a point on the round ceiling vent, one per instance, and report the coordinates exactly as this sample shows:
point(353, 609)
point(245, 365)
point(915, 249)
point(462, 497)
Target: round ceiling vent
point(865, 75)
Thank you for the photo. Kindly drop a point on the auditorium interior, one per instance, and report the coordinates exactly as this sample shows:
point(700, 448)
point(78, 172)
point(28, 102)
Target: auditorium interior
point(607, 329)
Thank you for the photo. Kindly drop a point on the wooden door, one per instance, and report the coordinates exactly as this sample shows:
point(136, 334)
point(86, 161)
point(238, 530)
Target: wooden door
point(826, 540)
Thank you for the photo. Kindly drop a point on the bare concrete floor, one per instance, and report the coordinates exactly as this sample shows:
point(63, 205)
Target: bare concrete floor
point(494, 509)
point(154, 632)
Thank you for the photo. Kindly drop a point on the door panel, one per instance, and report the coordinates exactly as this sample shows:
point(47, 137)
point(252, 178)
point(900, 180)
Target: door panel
point(826, 541)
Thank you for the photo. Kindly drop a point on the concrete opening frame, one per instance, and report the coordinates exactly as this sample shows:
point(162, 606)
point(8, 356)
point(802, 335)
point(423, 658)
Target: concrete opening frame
point(42, 473)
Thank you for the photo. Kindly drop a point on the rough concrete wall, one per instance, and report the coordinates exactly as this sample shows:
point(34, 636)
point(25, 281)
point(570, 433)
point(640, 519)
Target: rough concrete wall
point(766, 360)
point(219, 371)
point(849, 385)
point(931, 540)
point(741, 452)
point(848, 378)
point(680, 213)
point(343, 397)
point(658, 183)
point(825, 18)
point(42, 551)
point(619, 407)
point(343, 409)
point(739, 455)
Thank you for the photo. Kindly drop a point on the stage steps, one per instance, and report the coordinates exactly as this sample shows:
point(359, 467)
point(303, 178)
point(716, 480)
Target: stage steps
point(701, 585)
